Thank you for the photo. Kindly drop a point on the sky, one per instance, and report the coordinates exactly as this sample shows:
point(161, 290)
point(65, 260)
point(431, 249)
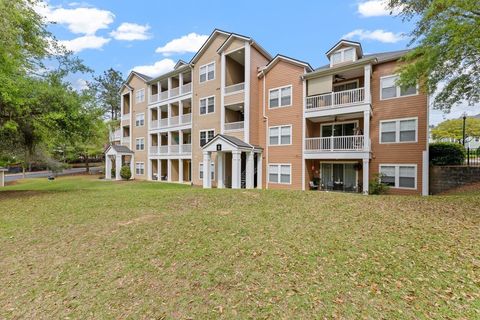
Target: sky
point(150, 36)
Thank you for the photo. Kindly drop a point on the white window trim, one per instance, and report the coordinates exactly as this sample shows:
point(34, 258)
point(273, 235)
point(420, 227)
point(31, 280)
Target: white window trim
point(397, 89)
point(200, 104)
point(342, 51)
point(200, 133)
point(143, 165)
point(279, 173)
point(136, 116)
point(206, 78)
point(397, 174)
point(136, 92)
point(212, 164)
point(280, 97)
point(397, 130)
point(280, 135)
point(140, 138)
point(356, 122)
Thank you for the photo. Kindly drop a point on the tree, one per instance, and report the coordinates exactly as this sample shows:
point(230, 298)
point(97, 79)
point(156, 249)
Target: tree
point(107, 87)
point(452, 130)
point(447, 52)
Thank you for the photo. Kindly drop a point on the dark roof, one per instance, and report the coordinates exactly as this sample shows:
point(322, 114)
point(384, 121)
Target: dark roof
point(144, 76)
point(121, 149)
point(235, 141)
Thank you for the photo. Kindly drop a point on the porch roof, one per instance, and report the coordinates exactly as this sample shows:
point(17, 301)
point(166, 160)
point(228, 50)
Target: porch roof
point(119, 149)
point(234, 141)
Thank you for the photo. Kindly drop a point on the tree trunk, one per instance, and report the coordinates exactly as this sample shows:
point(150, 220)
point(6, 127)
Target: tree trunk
point(87, 168)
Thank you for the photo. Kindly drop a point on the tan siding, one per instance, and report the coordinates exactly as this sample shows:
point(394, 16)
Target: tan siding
point(257, 60)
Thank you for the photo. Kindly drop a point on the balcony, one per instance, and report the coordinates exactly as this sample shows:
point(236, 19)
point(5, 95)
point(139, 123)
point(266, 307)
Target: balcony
point(185, 119)
point(234, 126)
point(125, 116)
point(172, 150)
point(186, 88)
point(335, 99)
point(175, 92)
point(235, 88)
point(116, 135)
point(340, 147)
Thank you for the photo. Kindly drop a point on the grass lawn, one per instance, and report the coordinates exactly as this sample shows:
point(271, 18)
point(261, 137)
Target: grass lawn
point(79, 247)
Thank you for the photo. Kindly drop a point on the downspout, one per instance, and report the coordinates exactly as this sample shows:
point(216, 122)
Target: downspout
point(266, 129)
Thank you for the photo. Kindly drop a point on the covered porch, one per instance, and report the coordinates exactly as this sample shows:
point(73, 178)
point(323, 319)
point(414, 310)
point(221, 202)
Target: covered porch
point(116, 156)
point(239, 164)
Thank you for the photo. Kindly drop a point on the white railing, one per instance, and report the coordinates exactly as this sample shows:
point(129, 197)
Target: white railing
point(174, 149)
point(174, 92)
point(116, 135)
point(163, 149)
point(173, 121)
point(186, 118)
point(126, 142)
point(234, 88)
point(341, 143)
point(153, 150)
point(163, 95)
point(126, 116)
point(340, 98)
point(234, 126)
point(153, 98)
point(154, 124)
point(186, 88)
point(163, 122)
point(186, 148)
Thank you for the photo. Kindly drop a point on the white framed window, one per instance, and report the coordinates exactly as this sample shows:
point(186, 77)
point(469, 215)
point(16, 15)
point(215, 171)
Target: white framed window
point(139, 168)
point(390, 90)
point(212, 171)
point(207, 72)
point(207, 105)
point(343, 55)
point(280, 97)
point(399, 130)
point(205, 136)
point(140, 144)
point(139, 95)
point(280, 173)
point(280, 135)
point(401, 176)
point(140, 120)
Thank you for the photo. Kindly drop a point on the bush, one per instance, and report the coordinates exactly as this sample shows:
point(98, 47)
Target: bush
point(447, 153)
point(125, 173)
point(375, 186)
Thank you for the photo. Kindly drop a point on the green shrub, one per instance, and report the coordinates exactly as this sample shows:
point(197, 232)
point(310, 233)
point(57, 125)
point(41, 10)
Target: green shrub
point(376, 186)
point(125, 173)
point(447, 153)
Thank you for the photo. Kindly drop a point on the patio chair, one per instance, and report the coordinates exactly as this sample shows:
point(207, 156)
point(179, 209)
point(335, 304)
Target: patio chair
point(330, 185)
point(313, 185)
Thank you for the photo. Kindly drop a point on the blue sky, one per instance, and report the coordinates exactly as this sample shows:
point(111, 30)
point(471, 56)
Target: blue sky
point(149, 36)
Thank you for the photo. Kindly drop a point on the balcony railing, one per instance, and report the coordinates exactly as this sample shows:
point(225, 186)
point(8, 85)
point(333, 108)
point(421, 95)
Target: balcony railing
point(234, 88)
point(175, 149)
point(184, 119)
point(154, 124)
point(126, 142)
point(340, 143)
point(116, 135)
point(231, 126)
point(186, 88)
point(154, 98)
point(126, 116)
point(153, 150)
point(332, 99)
point(163, 95)
point(172, 93)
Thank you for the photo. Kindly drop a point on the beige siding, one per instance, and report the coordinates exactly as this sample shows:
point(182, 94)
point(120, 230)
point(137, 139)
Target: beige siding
point(142, 131)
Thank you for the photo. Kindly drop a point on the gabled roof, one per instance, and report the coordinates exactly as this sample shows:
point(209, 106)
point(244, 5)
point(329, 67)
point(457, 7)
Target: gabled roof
point(119, 148)
point(132, 73)
point(179, 64)
point(212, 36)
point(280, 57)
point(252, 42)
point(357, 45)
point(232, 140)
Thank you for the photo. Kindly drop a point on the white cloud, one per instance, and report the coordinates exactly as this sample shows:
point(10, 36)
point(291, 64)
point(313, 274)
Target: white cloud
point(84, 42)
point(80, 84)
point(373, 8)
point(189, 43)
point(156, 69)
point(377, 35)
point(81, 20)
point(131, 31)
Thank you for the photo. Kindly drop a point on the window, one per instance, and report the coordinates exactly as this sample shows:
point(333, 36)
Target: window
point(140, 96)
point(212, 170)
point(281, 97)
point(205, 136)
point(207, 105)
point(279, 173)
point(389, 88)
point(343, 55)
point(139, 168)
point(281, 135)
point(401, 130)
point(139, 120)
point(207, 72)
point(140, 144)
point(399, 176)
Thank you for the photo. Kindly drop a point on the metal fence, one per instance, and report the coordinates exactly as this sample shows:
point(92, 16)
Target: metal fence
point(473, 157)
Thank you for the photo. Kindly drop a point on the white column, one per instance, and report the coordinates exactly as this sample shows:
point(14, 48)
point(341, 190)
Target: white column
point(366, 130)
point(169, 170)
point(222, 92)
point(246, 109)
point(236, 169)
point(169, 140)
point(425, 177)
point(220, 161)
point(250, 171)
point(108, 168)
point(367, 75)
point(180, 111)
point(366, 173)
point(207, 183)
point(169, 86)
point(159, 170)
point(132, 166)
point(180, 82)
point(118, 166)
point(259, 171)
point(159, 140)
point(180, 170)
point(180, 141)
point(2, 178)
point(169, 112)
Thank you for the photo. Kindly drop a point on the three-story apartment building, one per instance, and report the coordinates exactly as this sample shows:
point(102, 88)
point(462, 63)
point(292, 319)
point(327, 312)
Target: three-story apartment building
point(236, 117)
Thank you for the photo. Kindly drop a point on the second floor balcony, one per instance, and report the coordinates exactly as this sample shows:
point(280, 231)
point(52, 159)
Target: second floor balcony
point(335, 99)
point(185, 119)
